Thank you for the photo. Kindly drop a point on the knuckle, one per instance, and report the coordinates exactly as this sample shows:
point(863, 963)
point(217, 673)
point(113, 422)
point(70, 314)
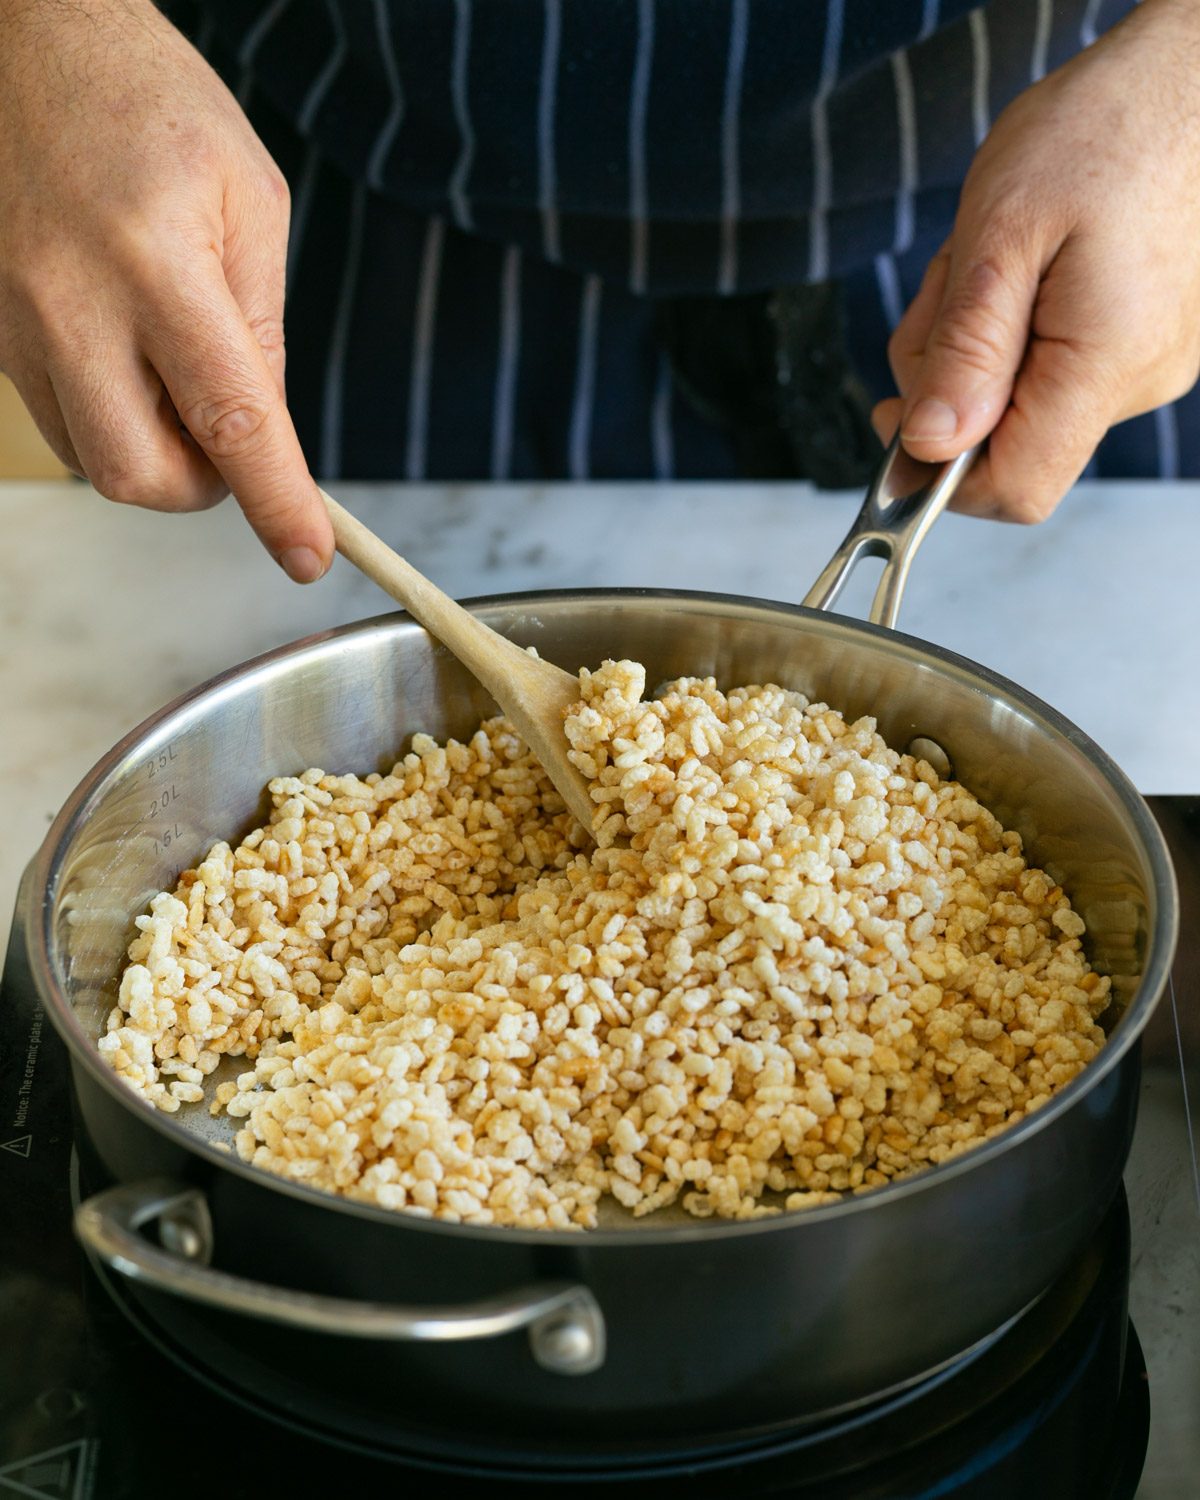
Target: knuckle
point(48, 302)
point(1029, 508)
point(1176, 376)
point(141, 257)
point(998, 204)
point(157, 483)
point(126, 486)
point(1028, 481)
point(197, 494)
point(210, 492)
point(156, 248)
point(1022, 497)
point(268, 333)
point(970, 343)
point(274, 189)
point(203, 484)
point(199, 155)
point(985, 281)
point(230, 426)
point(972, 328)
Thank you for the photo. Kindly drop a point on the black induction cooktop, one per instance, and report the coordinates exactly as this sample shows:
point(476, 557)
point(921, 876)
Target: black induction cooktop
point(94, 1403)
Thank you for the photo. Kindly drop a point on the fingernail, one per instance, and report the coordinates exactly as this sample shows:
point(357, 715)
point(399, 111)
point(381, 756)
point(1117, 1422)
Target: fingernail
point(931, 421)
point(301, 564)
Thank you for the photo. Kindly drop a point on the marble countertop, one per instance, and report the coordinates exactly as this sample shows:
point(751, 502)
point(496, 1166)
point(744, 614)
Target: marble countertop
point(106, 613)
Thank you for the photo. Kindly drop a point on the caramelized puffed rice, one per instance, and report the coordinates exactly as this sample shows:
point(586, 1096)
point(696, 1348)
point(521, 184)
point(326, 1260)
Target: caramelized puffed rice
point(796, 961)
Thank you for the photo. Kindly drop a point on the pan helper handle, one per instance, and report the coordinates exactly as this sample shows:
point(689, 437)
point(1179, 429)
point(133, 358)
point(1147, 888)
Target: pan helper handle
point(905, 498)
point(564, 1321)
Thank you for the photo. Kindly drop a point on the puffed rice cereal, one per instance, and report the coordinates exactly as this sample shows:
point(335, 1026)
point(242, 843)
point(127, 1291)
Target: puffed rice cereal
point(795, 962)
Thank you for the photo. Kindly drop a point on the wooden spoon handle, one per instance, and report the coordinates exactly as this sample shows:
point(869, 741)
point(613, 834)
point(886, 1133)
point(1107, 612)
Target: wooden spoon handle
point(534, 694)
point(470, 640)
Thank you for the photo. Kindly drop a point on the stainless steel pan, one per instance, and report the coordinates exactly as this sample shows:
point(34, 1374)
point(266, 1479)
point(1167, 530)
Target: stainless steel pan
point(658, 1331)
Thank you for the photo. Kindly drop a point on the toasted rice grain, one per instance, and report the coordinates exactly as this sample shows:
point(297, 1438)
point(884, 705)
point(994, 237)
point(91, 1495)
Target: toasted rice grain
point(796, 962)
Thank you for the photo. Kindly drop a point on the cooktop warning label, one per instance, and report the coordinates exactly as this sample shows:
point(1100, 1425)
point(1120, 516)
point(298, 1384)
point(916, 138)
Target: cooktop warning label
point(25, 1085)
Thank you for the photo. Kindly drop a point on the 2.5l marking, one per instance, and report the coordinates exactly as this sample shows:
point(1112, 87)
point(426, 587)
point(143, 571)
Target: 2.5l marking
point(157, 764)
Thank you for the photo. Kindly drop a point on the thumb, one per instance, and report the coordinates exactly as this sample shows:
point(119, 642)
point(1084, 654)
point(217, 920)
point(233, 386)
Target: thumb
point(222, 387)
point(962, 384)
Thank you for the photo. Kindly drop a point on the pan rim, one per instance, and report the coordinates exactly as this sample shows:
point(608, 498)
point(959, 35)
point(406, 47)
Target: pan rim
point(43, 873)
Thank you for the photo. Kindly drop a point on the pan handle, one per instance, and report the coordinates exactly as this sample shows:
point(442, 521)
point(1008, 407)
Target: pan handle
point(905, 499)
point(566, 1326)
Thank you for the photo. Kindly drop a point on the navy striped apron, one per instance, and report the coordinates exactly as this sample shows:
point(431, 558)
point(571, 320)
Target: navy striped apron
point(496, 201)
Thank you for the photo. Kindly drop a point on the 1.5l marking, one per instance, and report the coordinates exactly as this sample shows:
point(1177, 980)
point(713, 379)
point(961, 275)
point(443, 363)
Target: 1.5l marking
point(164, 837)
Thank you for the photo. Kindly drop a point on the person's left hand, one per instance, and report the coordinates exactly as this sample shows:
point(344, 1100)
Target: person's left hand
point(1068, 295)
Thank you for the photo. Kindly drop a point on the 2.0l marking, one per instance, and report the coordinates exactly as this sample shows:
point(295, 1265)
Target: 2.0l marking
point(166, 798)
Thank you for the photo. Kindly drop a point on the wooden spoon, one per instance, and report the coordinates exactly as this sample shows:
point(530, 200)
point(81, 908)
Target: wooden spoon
point(533, 694)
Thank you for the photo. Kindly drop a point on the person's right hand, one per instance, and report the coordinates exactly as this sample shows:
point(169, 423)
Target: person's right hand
point(143, 238)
